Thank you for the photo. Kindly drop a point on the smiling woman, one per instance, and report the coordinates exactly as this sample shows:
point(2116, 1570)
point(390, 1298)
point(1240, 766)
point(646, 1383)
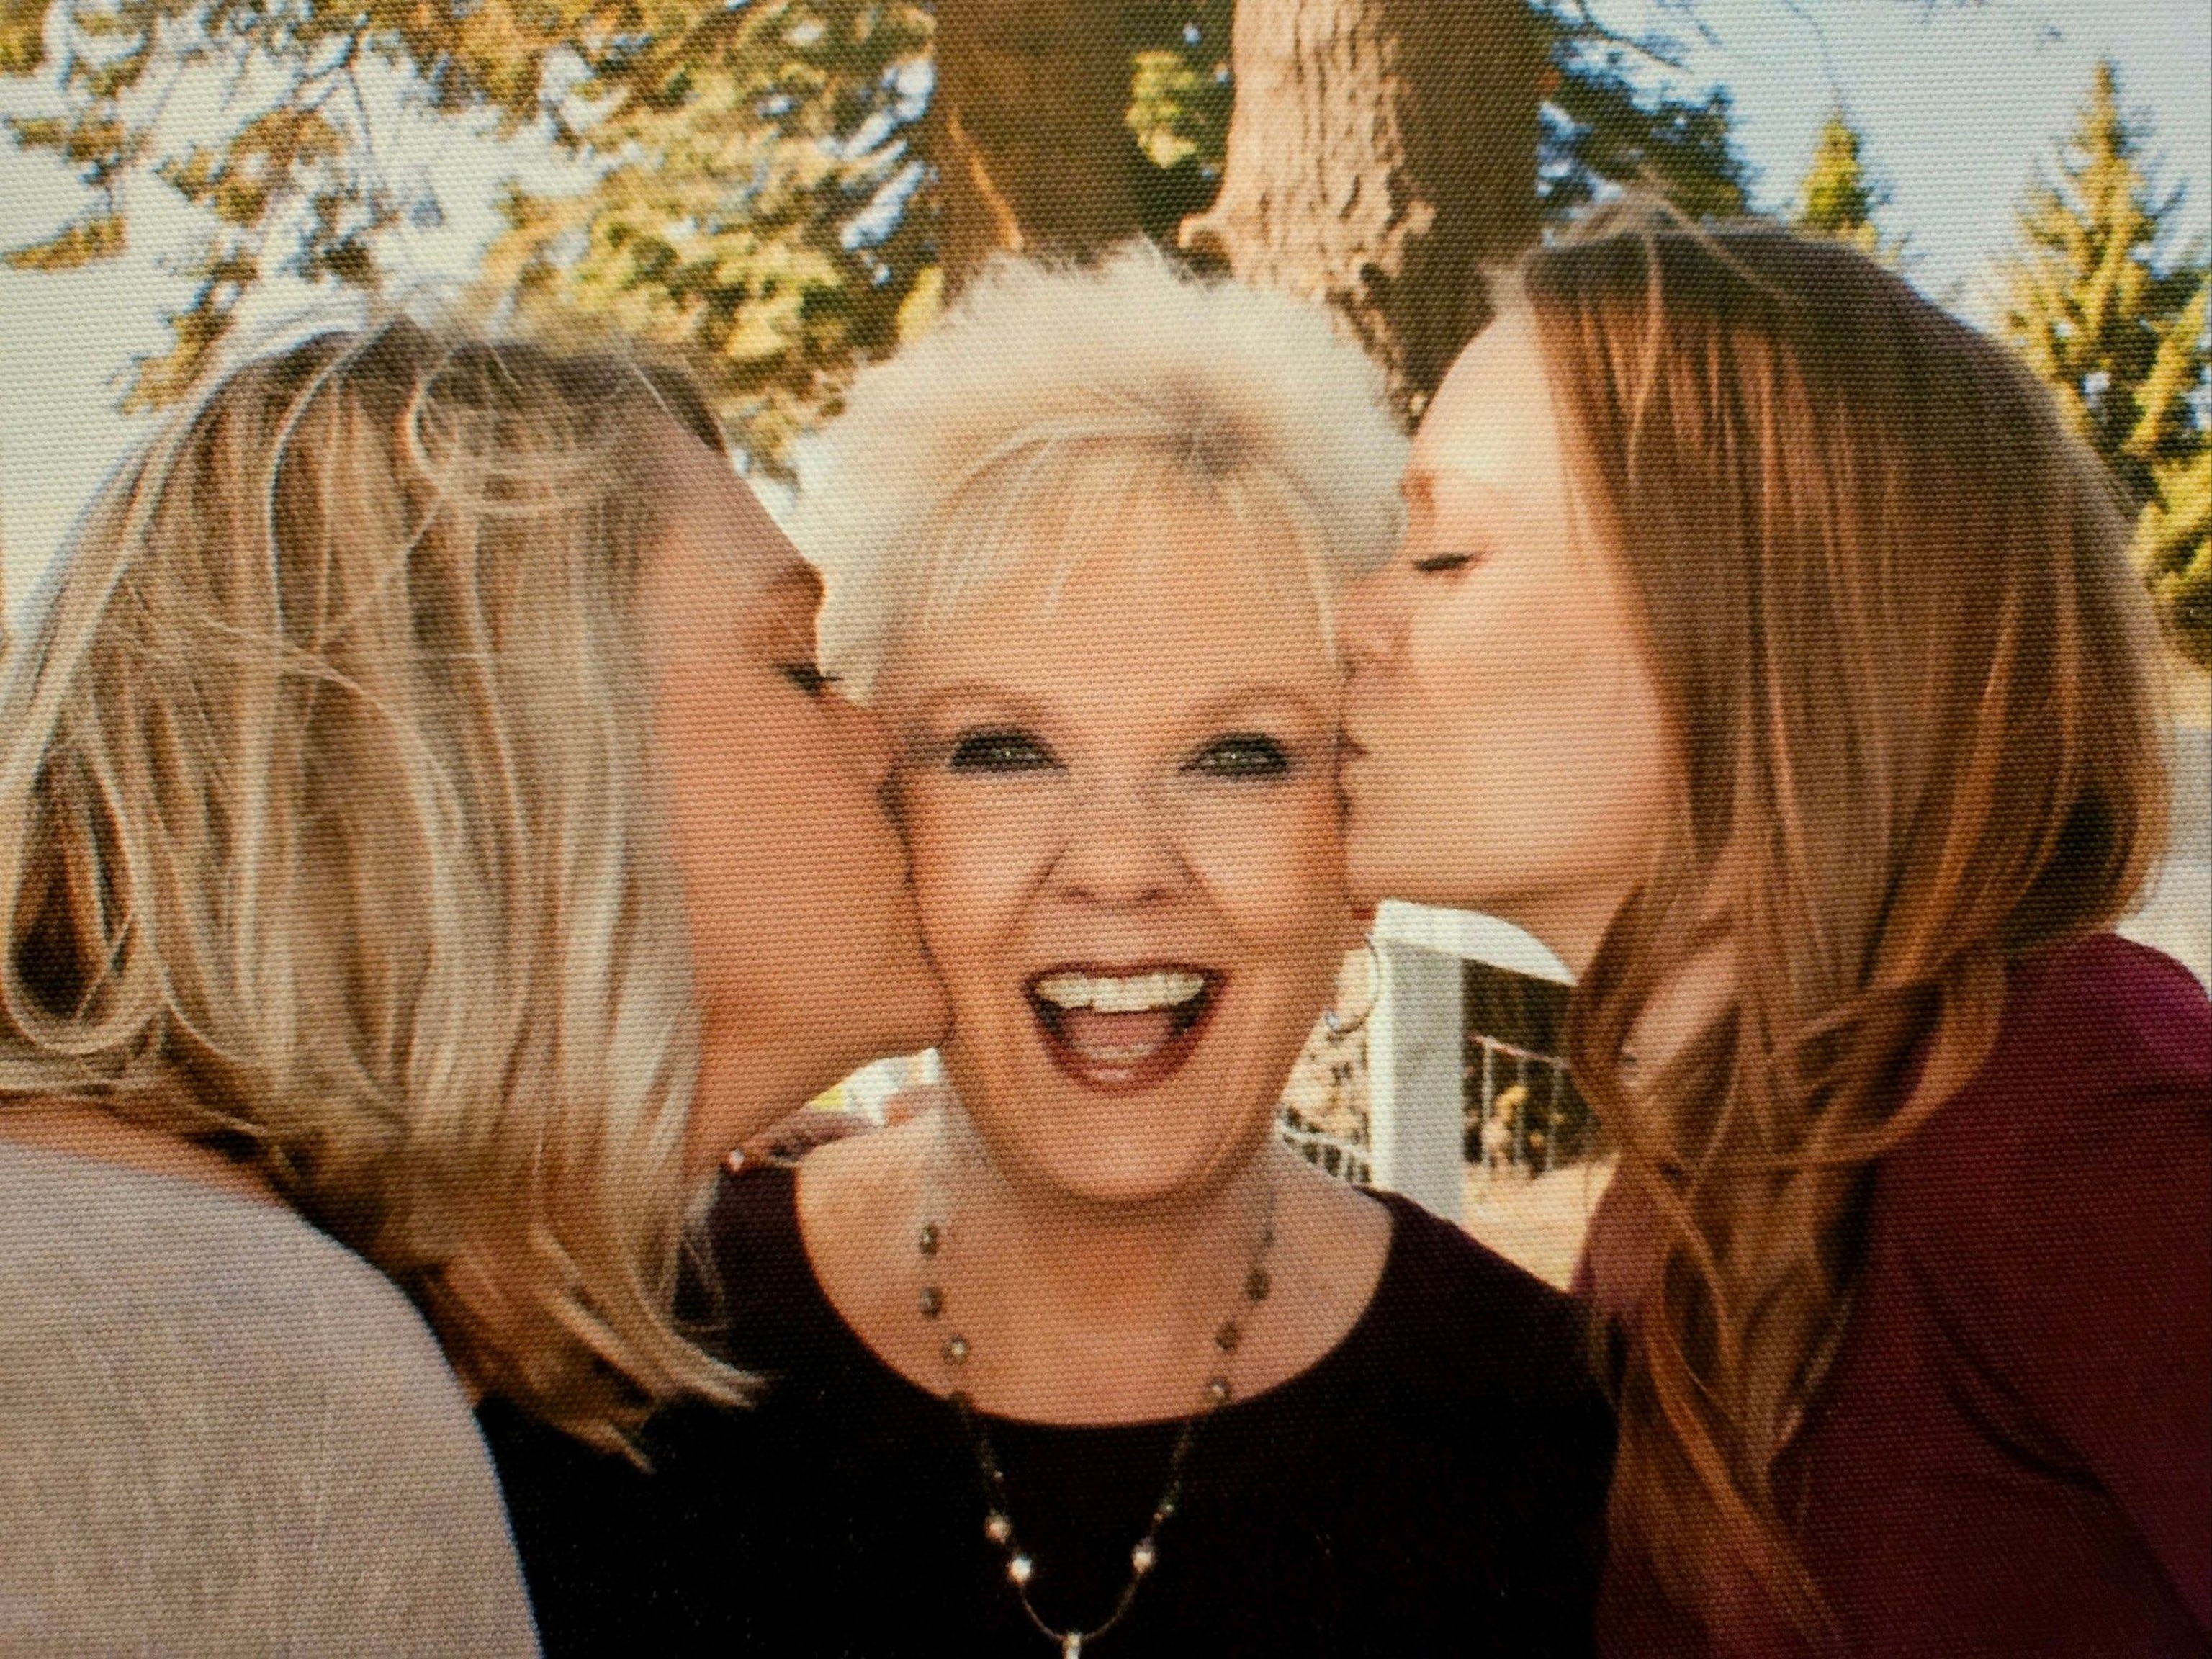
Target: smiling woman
point(1083, 1358)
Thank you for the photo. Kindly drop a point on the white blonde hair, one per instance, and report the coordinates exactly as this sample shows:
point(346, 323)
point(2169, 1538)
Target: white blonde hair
point(1081, 393)
point(327, 832)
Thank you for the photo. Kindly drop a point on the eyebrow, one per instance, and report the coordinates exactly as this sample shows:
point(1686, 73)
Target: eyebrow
point(974, 691)
point(1247, 696)
point(1232, 701)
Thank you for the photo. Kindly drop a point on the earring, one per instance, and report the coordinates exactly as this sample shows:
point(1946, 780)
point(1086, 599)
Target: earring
point(1338, 1024)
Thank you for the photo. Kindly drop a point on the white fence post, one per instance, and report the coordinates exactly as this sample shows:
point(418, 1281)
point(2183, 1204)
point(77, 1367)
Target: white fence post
point(1416, 1043)
point(1414, 1113)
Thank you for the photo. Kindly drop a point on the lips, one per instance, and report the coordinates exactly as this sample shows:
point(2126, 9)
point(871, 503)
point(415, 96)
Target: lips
point(1122, 1027)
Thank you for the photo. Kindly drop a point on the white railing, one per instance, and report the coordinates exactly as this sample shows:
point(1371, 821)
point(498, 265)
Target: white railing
point(1417, 1103)
point(1340, 1156)
point(1517, 1102)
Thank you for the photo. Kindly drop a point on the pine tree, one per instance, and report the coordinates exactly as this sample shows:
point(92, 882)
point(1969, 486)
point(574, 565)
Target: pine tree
point(1839, 198)
point(2116, 328)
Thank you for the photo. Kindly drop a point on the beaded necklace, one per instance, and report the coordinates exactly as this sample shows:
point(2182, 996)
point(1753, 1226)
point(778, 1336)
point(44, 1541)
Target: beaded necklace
point(953, 1353)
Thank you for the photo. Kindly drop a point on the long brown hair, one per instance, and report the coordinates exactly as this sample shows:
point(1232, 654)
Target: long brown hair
point(1885, 596)
point(328, 833)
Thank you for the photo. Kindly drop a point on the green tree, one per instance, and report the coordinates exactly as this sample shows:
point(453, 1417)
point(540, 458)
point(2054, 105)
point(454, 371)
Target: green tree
point(1604, 130)
point(754, 221)
point(2116, 325)
point(1181, 94)
point(760, 189)
point(741, 150)
point(1839, 198)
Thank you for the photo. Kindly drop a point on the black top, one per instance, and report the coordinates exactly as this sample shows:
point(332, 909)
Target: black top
point(1434, 1483)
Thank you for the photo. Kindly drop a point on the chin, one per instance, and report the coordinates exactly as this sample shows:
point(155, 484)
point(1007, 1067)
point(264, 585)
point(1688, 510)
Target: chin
point(915, 1016)
point(1376, 868)
point(1128, 1175)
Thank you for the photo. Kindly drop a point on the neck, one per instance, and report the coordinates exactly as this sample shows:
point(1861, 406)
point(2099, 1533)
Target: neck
point(83, 1129)
point(1683, 1005)
point(1572, 924)
point(1073, 1310)
point(1104, 1265)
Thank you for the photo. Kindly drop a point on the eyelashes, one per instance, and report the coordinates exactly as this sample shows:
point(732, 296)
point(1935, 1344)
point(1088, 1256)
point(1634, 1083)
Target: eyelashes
point(1002, 751)
point(1438, 563)
point(1241, 754)
point(807, 678)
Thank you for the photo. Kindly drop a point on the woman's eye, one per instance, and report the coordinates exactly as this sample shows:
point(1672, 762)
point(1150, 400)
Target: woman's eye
point(1000, 751)
point(1437, 563)
point(807, 678)
point(1243, 754)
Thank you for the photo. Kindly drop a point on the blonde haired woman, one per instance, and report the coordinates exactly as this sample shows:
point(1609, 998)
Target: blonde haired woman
point(1084, 1360)
point(424, 847)
point(1762, 641)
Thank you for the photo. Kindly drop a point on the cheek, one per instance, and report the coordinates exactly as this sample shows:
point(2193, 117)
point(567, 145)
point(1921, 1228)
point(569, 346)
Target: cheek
point(1278, 878)
point(775, 836)
point(1544, 735)
point(971, 871)
point(1509, 667)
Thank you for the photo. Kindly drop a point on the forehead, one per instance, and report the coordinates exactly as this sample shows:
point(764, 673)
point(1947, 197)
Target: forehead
point(714, 534)
point(1174, 603)
point(1492, 427)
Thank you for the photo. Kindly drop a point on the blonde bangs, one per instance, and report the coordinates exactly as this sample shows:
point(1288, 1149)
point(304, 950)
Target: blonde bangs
point(1111, 386)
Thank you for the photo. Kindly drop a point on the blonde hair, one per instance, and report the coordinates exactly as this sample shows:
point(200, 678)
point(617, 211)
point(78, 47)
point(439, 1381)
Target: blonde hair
point(327, 834)
point(1885, 597)
point(1081, 393)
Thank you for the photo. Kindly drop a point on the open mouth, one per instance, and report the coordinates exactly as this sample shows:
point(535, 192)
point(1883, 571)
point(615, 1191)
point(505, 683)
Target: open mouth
point(1122, 1027)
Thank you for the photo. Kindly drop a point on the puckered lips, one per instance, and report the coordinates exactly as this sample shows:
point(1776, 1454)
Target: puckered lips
point(1122, 1027)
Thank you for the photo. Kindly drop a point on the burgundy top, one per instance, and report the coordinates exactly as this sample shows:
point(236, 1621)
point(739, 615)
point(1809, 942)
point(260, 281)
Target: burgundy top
point(2012, 1451)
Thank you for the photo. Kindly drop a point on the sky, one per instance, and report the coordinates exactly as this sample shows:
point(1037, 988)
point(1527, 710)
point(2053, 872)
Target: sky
point(1958, 102)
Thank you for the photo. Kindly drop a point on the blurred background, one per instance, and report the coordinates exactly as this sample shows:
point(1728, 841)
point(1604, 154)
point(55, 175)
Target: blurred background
point(784, 190)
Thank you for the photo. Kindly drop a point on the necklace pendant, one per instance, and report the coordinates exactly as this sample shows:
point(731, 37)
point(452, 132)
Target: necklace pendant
point(1071, 1645)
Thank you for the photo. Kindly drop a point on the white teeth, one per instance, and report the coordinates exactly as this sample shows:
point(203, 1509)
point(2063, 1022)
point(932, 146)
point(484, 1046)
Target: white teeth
point(1167, 987)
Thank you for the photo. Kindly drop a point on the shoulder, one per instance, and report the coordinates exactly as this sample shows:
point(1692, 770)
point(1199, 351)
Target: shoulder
point(2100, 1039)
point(1462, 1317)
point(756, 1254)
point(108, 1248)
point(1481, 1372)
point(768, 1310)
point(2075, 1170)
point(213, 1389)
point(2106, 1009)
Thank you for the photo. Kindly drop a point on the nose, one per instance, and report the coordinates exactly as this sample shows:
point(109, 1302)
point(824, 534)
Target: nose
point(1371, 619)
point(1118, 855)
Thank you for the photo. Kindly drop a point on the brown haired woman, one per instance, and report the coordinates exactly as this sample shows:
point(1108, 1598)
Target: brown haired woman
point(1762, 642)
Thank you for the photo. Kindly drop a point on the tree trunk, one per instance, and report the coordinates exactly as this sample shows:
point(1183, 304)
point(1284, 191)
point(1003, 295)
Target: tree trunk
point(1028, 130)
point(1381, 153)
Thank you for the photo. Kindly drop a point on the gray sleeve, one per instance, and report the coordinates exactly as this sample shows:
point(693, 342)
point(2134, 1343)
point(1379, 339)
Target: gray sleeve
point(411, 1550)
point(220, 1433)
